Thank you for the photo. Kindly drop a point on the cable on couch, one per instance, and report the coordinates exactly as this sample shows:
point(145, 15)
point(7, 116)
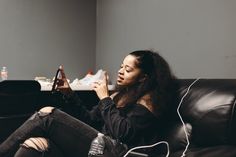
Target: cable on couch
point(165, 142)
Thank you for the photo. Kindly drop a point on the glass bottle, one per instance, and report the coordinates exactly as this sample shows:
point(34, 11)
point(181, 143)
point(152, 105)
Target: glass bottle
point(4, 73)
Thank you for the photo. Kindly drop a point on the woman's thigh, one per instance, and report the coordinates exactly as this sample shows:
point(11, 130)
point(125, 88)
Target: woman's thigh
point(72, 136)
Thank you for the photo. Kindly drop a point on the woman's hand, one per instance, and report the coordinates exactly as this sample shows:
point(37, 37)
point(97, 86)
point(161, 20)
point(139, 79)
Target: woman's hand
point(101, 87)
point(62, 84)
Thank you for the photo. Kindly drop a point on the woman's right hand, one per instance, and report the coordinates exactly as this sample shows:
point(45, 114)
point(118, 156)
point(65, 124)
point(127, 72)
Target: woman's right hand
point(62, 84)
point(101, 87)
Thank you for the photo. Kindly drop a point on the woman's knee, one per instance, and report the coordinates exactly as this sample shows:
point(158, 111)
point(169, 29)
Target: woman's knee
point(38, 147)
point(47, 109)
point(40, 144)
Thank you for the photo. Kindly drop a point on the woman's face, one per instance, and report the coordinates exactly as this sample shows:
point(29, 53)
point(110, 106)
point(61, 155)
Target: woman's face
point(128, 73)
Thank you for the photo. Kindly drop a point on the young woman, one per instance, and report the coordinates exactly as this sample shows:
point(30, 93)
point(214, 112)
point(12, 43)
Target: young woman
point(133, 115)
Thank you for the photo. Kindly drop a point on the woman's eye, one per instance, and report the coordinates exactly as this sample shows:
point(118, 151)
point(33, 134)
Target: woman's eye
point(128, 70)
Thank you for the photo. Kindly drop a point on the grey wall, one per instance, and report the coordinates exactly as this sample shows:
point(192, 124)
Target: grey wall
point(197, 37)
point(38, 35)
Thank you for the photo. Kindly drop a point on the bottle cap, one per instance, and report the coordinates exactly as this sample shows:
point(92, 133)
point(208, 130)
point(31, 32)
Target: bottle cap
point(100, 134)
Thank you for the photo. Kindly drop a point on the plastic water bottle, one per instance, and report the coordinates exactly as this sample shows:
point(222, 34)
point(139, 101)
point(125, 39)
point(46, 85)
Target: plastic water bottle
point(4, 73)
point(97, 146)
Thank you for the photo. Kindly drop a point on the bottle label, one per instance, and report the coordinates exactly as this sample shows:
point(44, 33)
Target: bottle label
point(96, 149)
point(97, 146)
point(4, 75)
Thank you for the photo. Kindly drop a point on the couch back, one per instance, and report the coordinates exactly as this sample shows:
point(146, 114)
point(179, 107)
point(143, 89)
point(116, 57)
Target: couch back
point(19, 100)
point(208, 111)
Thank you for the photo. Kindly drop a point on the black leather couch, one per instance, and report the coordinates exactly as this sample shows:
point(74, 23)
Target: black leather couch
point(208, 111)
point(18, 101)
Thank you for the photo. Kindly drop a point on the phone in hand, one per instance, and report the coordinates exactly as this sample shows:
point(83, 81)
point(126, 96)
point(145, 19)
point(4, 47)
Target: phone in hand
point(58, 79)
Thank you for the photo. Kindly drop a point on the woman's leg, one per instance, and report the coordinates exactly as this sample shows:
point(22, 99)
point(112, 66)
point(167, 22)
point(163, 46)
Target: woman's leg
point(27, 152)
point(38, 147)
point(33, 127)
point(71, 136)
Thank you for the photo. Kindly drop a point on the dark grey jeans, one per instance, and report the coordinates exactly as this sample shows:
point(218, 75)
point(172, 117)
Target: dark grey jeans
point(68, 136)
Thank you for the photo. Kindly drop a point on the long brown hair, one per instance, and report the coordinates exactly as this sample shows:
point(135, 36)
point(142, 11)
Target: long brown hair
point(158, 84)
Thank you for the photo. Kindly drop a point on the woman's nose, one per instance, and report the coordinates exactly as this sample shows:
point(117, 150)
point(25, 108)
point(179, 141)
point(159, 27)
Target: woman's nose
point(121, 71)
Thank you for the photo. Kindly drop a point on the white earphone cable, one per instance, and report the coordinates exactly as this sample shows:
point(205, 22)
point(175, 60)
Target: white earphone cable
point(149, 146)
point(181, 119)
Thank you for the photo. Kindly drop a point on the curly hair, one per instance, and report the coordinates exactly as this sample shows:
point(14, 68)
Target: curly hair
point(159, 82)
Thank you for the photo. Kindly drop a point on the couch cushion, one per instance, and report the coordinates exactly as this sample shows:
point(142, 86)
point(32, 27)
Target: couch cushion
point(216, 151)
point(208, 108)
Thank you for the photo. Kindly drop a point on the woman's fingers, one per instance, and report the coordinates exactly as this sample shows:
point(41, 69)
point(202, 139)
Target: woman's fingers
point(62, 84)
point(104, 79)
point(96, 84)
point(100, 87)
point(63, 75)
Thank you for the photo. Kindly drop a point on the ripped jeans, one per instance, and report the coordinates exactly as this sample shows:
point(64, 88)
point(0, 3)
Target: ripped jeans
point(67, 136)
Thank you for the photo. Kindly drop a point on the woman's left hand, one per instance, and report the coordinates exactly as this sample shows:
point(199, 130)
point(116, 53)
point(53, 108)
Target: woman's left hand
point(62, 83)
point(101, 87)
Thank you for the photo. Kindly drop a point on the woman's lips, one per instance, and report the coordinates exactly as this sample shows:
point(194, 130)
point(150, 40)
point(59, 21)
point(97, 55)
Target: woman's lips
point(119, 79)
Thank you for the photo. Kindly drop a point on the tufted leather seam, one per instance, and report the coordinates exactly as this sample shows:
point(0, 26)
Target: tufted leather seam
point(203, 115)
point(213, 109)
point(210, 110)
